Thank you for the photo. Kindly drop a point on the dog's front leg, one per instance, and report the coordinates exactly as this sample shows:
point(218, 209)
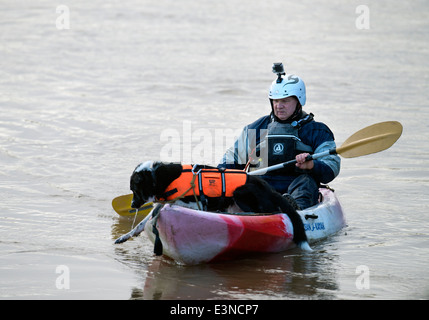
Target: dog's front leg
point(135, 232)
point(140, 227)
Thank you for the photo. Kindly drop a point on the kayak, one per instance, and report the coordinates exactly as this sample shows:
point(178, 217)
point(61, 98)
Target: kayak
point(193, 237)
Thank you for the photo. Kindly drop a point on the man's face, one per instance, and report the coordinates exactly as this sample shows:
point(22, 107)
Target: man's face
point(284, 108)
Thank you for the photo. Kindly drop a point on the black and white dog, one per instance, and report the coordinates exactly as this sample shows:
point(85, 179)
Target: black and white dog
point(150, 179)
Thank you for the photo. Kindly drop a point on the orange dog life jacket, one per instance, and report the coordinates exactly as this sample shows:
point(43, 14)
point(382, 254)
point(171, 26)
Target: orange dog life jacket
point(211, 182)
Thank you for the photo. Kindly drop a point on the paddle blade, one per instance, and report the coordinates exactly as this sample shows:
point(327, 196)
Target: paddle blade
point(372, 139)
point(122, 206)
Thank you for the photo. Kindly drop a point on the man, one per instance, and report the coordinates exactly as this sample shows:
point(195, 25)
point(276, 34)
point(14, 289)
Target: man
point(287, 133)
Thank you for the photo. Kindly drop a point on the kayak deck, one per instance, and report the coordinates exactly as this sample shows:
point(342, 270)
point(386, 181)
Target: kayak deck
point(324, 219)
point(191, 237)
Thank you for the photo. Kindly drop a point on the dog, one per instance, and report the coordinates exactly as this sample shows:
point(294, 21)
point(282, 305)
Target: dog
point(150, 180)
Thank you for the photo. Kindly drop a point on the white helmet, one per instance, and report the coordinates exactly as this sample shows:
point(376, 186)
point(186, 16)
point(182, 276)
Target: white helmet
point(290, 85)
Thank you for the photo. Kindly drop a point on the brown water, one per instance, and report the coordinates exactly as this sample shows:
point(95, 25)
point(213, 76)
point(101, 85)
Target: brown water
point(81, 107)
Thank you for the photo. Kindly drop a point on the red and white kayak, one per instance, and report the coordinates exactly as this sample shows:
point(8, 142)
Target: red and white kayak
point(192, 236)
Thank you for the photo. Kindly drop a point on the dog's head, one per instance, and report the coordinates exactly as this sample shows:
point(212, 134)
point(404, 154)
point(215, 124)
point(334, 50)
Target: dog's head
point(142, 184)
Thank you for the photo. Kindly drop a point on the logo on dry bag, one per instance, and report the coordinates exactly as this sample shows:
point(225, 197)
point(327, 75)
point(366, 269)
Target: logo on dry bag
point(278, 148)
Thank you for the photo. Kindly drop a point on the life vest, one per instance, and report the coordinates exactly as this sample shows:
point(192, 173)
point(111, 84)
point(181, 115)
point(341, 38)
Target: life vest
point(209, 182)
point(284, 144)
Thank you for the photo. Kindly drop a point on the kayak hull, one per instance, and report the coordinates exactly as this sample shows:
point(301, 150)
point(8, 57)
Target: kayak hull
point(193, 237)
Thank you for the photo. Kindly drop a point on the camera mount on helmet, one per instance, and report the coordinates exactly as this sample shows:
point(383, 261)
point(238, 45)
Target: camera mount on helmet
point(279, 70)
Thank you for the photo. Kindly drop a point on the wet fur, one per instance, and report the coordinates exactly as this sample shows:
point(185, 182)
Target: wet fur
point(255, 196)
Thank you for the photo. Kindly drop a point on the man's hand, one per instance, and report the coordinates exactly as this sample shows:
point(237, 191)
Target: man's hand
point(302, 164)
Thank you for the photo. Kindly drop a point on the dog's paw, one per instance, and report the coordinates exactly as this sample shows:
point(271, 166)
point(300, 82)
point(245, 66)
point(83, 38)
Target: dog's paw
point(303, 245)
point(122, 239)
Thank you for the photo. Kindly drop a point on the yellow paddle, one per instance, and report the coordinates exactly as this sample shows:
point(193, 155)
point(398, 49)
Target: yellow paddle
point(122, 206)
point(372, 139)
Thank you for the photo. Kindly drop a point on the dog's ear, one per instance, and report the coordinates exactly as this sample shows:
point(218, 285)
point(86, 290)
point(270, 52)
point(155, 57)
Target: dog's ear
point(141, 179)
point(136, 179)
